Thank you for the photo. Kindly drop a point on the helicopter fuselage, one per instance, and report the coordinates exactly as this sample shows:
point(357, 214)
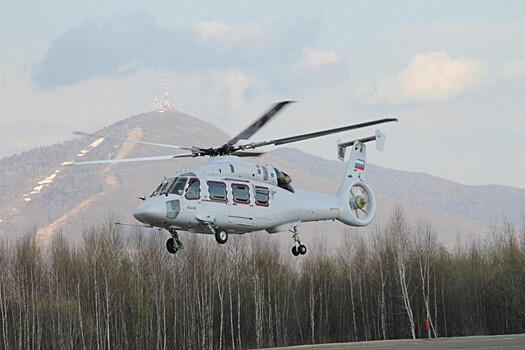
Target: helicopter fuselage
point(235, 196)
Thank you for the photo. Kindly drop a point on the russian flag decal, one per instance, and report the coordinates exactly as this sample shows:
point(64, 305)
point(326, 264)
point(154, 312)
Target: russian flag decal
point(359, 164)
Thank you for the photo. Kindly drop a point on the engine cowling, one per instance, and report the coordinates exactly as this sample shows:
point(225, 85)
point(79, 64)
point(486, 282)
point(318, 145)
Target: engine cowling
point(358, 205)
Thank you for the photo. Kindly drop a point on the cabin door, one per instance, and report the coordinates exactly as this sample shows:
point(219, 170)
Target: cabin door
point(241, 207)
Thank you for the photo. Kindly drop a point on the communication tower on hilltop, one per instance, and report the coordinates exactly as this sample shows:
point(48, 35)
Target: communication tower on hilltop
point(166, 107)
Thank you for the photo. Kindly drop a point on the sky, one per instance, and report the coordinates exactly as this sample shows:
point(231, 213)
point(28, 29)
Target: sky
point(452, 72)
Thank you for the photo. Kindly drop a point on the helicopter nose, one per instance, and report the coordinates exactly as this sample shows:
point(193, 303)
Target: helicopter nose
point(151, 211)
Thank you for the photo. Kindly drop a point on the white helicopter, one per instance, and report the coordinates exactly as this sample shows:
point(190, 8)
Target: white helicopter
point(231, 196)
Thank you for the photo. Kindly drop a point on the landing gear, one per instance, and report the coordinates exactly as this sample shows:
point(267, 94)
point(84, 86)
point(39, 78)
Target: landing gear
point(173, 245)
point(302, 249)
point(298, 248)
point(221, 236)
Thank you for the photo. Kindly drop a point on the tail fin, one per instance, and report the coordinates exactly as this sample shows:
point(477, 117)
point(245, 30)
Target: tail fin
point(356, 168)
point(357, 200)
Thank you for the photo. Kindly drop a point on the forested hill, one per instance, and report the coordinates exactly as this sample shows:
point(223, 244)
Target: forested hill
point(38, 192)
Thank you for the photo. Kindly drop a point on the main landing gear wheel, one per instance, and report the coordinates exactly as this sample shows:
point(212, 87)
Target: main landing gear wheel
point(221, 236)
point(302, 249)
point(171, 246)
point(298, 248)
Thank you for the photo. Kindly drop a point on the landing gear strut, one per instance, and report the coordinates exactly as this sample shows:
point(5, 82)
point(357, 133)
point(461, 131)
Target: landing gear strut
point(174, 244)
point(298, 248)
point(221, 236)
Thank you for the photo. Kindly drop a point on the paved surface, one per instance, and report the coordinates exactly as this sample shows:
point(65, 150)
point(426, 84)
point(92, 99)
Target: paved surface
point(511, 341)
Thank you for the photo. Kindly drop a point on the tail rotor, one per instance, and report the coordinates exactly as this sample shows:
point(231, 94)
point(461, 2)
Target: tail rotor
point(362, 203)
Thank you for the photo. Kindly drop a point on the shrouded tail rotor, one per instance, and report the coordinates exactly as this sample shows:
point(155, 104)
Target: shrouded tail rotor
point(362, 202)
point(360, 206)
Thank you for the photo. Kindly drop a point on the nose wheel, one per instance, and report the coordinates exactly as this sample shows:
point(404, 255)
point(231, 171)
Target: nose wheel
point(173, 245)
point(298, 248)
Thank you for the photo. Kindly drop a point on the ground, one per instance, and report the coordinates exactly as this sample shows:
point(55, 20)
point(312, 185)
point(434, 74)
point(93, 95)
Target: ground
point(511, 341)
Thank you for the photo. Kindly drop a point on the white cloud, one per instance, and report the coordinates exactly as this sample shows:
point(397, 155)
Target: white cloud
point(214, 28)
point(429, 77)
point(513, 70)
point(125, 44)
point(315, 58)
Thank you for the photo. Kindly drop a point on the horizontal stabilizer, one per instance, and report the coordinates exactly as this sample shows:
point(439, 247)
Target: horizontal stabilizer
point(379, 137)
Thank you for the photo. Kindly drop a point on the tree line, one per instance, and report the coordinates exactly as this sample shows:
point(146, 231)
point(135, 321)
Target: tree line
point(115, 290)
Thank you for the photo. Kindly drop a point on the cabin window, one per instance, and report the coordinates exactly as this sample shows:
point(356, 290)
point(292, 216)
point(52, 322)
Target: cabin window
point(178, 185)
point(262, 196)
point(172, 209)
point(194, 189)
point(217, 190)
point(241, 193)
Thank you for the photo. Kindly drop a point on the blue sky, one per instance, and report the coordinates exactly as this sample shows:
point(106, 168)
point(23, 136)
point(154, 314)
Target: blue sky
point(452, 72)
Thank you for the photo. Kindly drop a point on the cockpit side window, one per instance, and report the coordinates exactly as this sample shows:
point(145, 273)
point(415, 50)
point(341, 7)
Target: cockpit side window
point(194, 189)
point(178, 185)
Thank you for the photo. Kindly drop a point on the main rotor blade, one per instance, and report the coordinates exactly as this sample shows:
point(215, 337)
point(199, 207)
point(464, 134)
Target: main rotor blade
point(247, 154)
point(315, 134)
point(259, 123)
point(80, 133)
point(126, 160)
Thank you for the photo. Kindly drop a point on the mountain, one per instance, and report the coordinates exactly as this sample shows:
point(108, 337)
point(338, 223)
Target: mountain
point(39, 193)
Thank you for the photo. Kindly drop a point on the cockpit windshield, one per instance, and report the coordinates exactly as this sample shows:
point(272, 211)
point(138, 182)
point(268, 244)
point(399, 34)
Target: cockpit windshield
point(161, 188)
point(172, 185)
point(157, 190)
point(178, 185)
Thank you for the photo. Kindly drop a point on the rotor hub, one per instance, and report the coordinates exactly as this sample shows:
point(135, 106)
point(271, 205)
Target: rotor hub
point(360, 202)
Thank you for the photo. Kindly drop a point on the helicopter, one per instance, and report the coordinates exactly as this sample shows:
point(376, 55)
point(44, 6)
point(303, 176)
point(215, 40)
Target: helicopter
point(230, 195)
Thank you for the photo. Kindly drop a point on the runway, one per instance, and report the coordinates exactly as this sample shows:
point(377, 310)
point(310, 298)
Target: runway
point(511, 341)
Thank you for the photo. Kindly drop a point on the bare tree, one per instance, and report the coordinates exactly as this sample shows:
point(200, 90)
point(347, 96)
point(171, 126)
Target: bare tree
point(380, 247)
point(426, 250)
point(400, 241)
point(347, 257)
